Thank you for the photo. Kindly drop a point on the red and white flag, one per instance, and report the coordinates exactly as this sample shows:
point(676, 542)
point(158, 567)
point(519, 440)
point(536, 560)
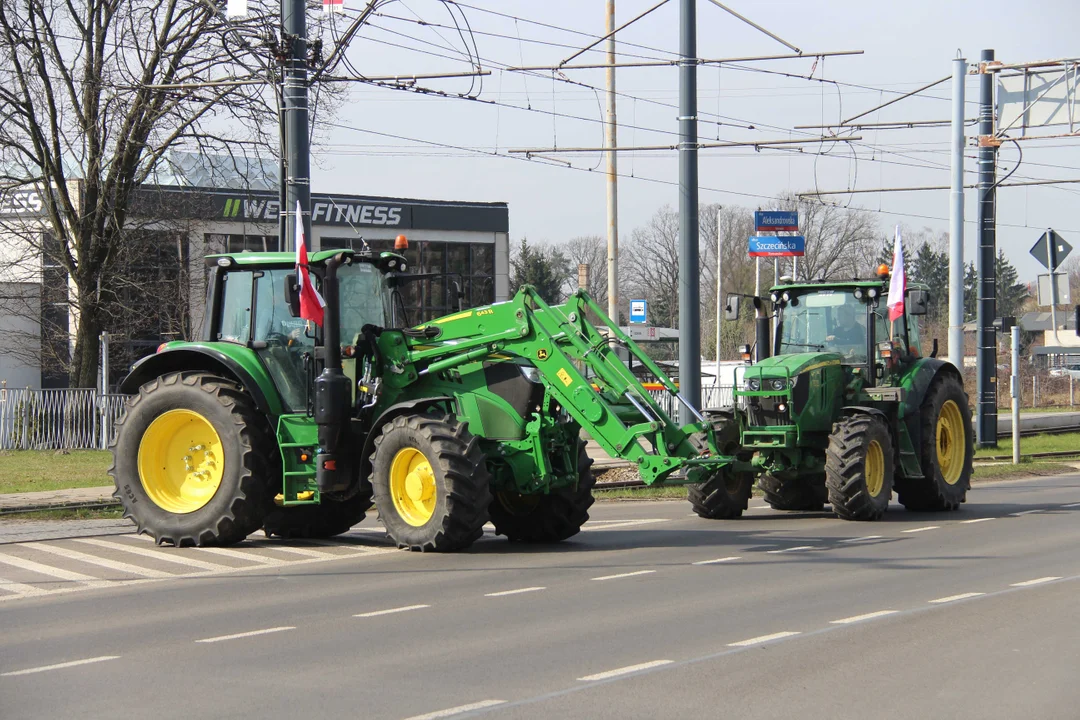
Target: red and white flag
point(898, 281)
point(333, 6)
point(311, 302)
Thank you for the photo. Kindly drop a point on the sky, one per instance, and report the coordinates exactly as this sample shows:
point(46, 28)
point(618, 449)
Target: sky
point(404, 144)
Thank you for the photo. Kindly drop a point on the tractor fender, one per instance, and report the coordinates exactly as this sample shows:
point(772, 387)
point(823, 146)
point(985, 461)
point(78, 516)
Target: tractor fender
point(401, 408)
point(918, 382)
point(863, 410)
point(206, 359)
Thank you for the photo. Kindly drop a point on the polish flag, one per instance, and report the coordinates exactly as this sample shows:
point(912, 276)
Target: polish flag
point(333, 6)
point(311, 302)
point(898, 281)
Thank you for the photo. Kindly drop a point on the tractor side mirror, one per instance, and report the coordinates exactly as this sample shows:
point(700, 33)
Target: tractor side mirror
point(731, 309)
point(917, 302)
point(292, 294)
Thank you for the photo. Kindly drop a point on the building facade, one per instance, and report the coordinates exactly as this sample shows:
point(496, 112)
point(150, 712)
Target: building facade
point(157, 289)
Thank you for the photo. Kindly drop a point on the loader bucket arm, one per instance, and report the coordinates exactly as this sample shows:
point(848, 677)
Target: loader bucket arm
point(578, 365)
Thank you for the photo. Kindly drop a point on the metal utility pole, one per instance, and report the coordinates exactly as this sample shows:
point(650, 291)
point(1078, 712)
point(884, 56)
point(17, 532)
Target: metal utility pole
point(294, 94)
point(719, 293)
point(986, 387)
point(956, 220)
point(610, 141)
point(1015, 392)
point(689, 270)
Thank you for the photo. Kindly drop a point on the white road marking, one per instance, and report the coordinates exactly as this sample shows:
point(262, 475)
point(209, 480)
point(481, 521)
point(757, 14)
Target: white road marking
point(717, 560)
point(860, 618)
point(391, 611)
point(623, 575)
point(762, 639)
point(102, 562)
point(612, 524)
point(1036, 581)
point(236, 554)
point(976, 520)
point(514, 592)
point(450, 712)
point(1026, 512)
point(862, 539)
point(253, 633)
point(794, 549)
point(51, 571)
point(59, 666)
point(624, 670)
point(962, 596)
point(922, 529)
point(21, 589)
point(163, 555)
point(1072, 505)
point(304, 552)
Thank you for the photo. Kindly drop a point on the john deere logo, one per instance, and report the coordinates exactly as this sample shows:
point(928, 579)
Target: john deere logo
point(232, 208)
point(541, 354)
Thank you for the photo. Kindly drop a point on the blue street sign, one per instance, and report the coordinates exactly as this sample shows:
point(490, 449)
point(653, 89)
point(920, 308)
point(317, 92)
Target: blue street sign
point(776, 221)
point(777, 246)
point(637, 312)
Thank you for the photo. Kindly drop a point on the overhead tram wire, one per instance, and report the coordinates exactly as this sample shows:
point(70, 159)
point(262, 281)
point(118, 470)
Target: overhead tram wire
point(473, 152)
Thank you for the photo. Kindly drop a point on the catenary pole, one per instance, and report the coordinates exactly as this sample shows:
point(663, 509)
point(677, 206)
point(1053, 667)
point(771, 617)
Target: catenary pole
point(986, 386)
point(295, 110)
point(956, 220)
point(719, 294)
point(610, 141)
point(689, 270)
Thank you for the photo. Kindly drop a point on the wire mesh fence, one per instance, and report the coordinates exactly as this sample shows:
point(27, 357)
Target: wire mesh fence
point(63, 419)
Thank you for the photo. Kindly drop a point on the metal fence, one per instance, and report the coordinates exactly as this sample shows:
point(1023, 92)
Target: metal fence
point(711, 397)
point(68, 419)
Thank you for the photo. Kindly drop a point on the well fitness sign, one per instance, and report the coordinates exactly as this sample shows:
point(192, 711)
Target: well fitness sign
point(773, 246)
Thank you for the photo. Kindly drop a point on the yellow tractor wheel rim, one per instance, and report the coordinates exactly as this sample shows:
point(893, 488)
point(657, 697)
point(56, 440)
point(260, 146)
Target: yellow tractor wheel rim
point(181, 461)
point(412, 486)
point(950, 442)
point(875, 468)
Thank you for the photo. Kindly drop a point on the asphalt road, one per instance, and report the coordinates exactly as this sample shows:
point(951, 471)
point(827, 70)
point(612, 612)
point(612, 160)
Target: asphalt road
point(650, 613)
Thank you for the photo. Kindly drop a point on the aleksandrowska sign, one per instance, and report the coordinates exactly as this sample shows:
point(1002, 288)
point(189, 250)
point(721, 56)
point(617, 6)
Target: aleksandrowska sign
point(175, 203)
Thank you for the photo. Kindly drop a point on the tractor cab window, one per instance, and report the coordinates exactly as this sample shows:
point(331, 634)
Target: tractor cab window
point(236, 307)
point(364, 299)
point(283, 340)
point(825, 321)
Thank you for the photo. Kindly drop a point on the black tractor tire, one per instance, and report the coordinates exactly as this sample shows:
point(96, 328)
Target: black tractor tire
point(329, 518)
point(805, 493)
point(458, 483)
point(858, 488)
point(547, 518)
point(726, 494)
point(934, 492)
point(245, 493)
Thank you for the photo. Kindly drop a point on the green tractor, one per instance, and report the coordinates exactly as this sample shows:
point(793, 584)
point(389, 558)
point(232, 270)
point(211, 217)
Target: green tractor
point(847, 410)
point(272, 422)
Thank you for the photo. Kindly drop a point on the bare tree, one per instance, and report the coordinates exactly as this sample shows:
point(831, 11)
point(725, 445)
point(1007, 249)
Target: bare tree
point(84, 121)
point(841, 243)
point(588, 250)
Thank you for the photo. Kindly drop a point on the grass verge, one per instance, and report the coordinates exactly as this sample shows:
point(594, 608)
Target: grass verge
point(34, 470)
point(73, 514)
point(1034, 444)
point(1008, 471)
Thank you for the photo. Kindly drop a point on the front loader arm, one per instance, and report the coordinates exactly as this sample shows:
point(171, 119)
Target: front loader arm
point(578, 366)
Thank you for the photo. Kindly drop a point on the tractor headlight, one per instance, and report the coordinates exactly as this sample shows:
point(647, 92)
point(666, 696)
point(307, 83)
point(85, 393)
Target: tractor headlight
point(779, 384)
point(753, 384)
point(787, 297)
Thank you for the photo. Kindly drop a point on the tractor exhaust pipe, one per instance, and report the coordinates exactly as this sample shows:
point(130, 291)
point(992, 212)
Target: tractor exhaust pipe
point(332, 392)
point(761, 325)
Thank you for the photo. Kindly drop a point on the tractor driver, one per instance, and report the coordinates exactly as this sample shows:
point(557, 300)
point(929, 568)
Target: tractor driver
point(847, 330)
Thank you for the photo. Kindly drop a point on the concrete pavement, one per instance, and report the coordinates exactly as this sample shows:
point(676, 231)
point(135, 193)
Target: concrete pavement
point(649, 613)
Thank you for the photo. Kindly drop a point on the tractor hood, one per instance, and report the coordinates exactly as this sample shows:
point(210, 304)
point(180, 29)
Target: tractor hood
point(792, 365)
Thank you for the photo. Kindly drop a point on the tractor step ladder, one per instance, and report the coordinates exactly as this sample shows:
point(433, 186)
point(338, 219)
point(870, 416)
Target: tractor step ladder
point(299, 482)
